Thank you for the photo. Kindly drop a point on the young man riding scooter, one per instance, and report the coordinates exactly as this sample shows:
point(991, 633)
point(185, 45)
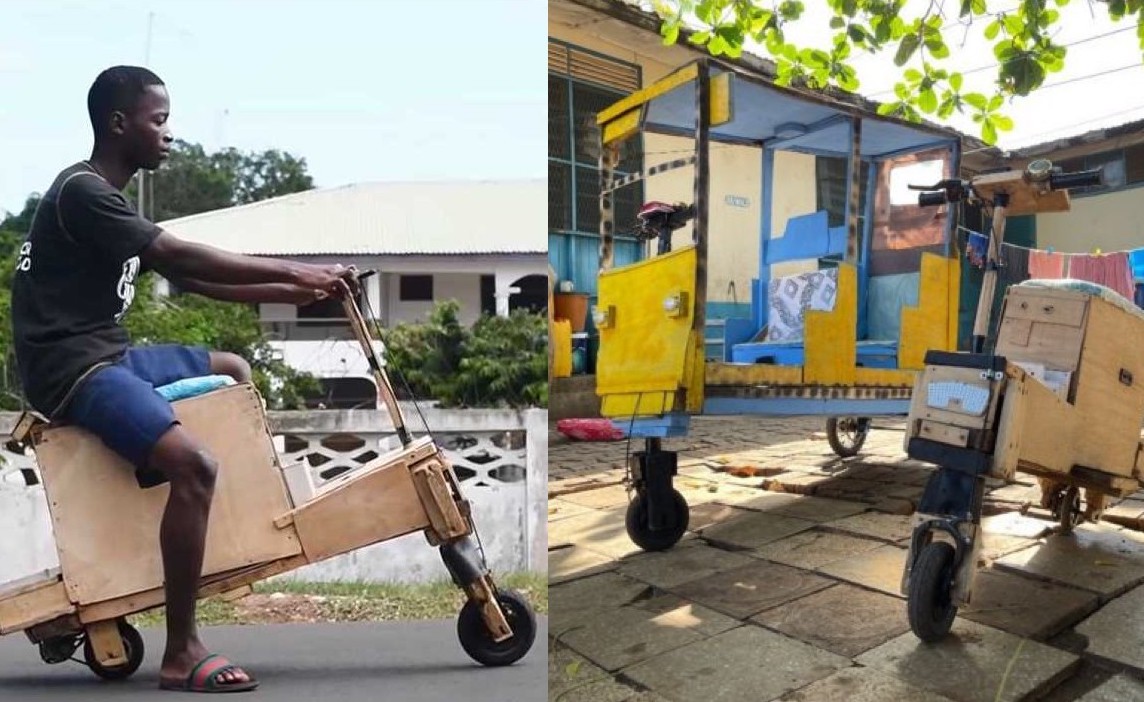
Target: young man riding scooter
point(74, 282)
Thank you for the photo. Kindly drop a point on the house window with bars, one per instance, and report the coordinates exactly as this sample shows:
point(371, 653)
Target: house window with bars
point(580, 84)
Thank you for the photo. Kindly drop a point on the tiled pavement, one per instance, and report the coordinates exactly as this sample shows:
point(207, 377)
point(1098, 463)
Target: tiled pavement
point(786, 585)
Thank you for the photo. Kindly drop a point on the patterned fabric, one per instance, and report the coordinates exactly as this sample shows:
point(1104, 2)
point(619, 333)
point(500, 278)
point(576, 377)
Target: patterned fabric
point(788, 299)
point(977, 248)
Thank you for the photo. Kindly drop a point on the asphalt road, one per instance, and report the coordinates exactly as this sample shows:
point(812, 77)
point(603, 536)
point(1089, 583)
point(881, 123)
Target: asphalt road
point(367, 662)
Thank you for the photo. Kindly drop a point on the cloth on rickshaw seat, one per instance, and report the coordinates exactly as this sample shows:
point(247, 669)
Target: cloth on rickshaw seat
point(789, 297)
point(190, 387)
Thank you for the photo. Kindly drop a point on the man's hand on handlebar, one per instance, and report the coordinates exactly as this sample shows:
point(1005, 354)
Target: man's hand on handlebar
point(328, 280)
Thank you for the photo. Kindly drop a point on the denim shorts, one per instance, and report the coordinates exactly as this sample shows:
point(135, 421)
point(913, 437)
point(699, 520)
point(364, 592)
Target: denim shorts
point(119, 404)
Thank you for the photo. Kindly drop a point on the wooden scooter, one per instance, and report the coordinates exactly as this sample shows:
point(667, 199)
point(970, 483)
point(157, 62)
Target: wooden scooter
point(1055, 397)
point(266, 519)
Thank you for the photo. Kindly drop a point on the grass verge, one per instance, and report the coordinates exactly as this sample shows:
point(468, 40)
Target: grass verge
point(286, 601)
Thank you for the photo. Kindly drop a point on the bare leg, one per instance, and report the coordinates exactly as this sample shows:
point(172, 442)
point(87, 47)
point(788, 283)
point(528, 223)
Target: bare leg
point(182, 539)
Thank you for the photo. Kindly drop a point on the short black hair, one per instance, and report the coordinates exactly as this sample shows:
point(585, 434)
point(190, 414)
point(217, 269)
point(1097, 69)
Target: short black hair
point(116, 88)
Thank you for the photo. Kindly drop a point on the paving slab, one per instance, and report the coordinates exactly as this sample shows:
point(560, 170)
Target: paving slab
point(820, 509)
point(862, 685)
point(601, 530)
point(1095, 557)
point(676, 611)
point(888, 527)
point(880, 569)
point(754, 530)
point(811, 549)
point(750, 589)
point(1035, 609)
point(572, 678)
point(1116, 632)
point(689, 560)
point(975, 663)
point(756, 499)
point(711, 513)
point(615, 638)
point(1015, 524)
point(994, 546)
point(571, 601)
point(1118, 688)
point(572, 562)
point(746, 664)
point(843, 619)
point(560, 508)
point(600, 498)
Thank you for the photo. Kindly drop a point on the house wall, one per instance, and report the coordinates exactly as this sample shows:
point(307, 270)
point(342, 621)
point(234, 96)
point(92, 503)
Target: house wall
point(465, 288)
point(1109, 221)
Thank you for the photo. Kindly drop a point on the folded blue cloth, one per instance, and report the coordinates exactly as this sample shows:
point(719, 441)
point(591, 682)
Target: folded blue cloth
point(190, 387)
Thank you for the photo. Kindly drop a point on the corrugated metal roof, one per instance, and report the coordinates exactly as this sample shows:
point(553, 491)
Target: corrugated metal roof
point(454, 217)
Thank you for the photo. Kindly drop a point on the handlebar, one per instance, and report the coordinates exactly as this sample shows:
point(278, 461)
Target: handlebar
point(952, 190)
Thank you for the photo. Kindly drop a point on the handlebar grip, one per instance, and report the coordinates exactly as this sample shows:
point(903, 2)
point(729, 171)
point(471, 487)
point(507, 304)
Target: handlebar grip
point(1080, 179)
point(931, 199)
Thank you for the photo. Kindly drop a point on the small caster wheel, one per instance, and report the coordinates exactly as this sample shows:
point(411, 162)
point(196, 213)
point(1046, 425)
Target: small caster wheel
point(477, 642)
point(641, 533)
point(931, 610)
point(847, 434)
point(132, 644)
point(1069, 513)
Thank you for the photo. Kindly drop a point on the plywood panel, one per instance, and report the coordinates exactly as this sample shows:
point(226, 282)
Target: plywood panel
point(831, 337)
point(1024, 198)
point(107, 528)
point(381, 503)
point(41, 604)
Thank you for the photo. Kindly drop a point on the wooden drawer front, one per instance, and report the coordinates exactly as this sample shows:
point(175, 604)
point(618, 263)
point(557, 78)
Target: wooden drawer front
point(1051, 310)
point(1056, 346)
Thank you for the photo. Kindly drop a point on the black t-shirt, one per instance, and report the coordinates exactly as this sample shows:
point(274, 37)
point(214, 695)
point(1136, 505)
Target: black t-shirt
point(75, 279)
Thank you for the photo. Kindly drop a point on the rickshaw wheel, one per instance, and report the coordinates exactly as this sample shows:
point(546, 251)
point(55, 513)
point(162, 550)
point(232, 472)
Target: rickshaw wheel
point(847, 434)
point(930, 607)
point(132, 644)
point(641, 533)
point(477, 642)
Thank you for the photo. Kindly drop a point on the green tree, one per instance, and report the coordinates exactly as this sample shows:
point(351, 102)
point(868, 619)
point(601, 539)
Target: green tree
point(500, 361)
point(1022, 39)
point(194, 181)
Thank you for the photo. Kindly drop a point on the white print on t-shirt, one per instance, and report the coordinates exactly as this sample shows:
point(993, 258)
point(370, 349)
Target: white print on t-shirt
point(24, 262)
point(126, 287)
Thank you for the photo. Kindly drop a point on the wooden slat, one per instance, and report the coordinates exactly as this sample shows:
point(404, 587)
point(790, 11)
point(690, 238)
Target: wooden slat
point(40, 604)
point(1023, 197)
point(752, 374)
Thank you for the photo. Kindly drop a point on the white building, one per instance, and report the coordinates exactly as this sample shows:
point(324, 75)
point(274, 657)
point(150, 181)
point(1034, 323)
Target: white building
point(482, 243)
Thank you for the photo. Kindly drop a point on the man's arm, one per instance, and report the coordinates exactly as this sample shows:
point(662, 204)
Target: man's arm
point(254, 293)
point(175, 258)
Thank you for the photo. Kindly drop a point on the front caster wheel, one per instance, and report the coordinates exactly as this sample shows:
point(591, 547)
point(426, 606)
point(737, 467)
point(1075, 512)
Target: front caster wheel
point(675, 522)
point(132, 644)
point(930, 607)
point(479, 644)
point(846, 435)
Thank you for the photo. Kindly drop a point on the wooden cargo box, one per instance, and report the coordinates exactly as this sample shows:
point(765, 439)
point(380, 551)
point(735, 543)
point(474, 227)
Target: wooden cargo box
point(107, 527)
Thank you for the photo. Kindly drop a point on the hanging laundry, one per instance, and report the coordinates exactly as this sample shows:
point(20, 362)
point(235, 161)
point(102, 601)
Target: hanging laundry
point(1046, 265)
point(1111, 270)
point(1136, 261)
point(1014, 264)
point(976, 249)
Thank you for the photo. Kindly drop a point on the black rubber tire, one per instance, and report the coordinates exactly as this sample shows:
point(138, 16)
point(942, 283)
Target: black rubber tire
point(844, 447)
point(641, 535)
point(132, 643)
point(1070, 510)
point(475, 639)
point(931, 611)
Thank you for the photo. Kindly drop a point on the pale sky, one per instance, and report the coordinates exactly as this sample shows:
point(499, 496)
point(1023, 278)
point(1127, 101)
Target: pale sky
point(364, 90)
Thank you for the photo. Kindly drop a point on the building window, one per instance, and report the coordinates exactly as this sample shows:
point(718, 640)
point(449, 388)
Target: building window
point(488, 295)
point(830, 193)
point(581, 84)
point(1122, 168)
point(416, 288)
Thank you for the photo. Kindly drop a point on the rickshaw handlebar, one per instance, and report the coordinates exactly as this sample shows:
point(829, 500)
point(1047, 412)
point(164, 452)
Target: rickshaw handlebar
point(953, 189)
